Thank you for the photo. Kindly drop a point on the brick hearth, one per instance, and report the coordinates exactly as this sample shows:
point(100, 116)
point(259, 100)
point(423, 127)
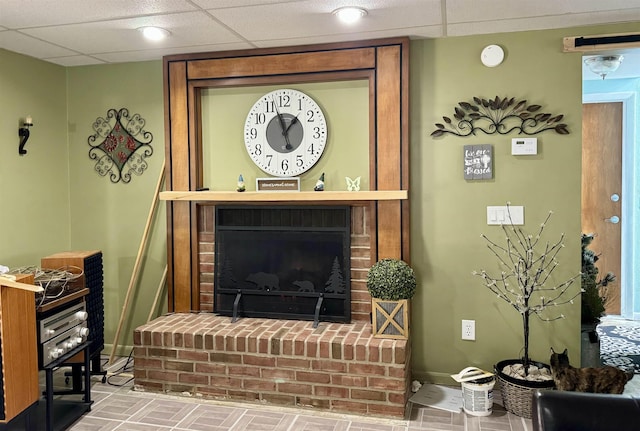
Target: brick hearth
point(337, 367)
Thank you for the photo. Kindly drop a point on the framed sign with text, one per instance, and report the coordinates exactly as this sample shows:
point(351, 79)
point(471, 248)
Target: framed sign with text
point(278, 184)
point(478, 162)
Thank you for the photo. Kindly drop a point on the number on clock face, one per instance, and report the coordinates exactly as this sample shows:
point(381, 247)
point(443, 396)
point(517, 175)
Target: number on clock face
point(285, 133)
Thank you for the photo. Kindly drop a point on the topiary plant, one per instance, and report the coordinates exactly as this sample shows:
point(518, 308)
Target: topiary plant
point(391, 279)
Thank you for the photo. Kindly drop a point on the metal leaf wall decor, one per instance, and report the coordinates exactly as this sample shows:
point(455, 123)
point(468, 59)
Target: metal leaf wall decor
point(120, 145)
point(501, 116)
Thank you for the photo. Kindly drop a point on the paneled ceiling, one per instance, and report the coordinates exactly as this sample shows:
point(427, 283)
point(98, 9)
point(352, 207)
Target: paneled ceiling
point(83, 32)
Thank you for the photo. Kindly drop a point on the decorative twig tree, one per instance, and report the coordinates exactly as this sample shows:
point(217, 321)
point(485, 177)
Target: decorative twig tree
point(525, 281)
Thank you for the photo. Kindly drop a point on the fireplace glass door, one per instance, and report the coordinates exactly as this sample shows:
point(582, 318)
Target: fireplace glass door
point(283, 262)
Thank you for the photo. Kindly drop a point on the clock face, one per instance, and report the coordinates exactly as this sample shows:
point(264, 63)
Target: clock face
point(285, 133)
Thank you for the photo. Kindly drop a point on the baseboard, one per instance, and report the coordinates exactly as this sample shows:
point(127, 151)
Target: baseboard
point(435, 378)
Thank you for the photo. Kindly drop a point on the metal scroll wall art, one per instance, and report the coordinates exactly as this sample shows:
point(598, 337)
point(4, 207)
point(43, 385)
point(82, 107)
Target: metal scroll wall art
point(502, 116)
point(120, 145)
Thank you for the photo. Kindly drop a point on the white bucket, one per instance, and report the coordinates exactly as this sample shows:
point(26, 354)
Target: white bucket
point(477, 395)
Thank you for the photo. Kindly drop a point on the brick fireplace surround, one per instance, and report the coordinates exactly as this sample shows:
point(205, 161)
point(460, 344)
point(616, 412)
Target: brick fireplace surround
point(337, 367)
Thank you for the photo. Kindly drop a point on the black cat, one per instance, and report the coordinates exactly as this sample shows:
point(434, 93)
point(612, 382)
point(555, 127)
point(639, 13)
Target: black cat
point(605, 380)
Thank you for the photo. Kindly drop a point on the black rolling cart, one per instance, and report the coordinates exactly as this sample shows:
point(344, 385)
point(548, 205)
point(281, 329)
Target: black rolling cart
point(59, 415)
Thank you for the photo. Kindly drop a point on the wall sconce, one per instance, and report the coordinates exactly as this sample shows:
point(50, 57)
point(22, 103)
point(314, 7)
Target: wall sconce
point(603, 64)
point(23, 132)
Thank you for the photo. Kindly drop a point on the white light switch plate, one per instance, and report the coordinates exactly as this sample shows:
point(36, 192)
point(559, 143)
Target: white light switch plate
point(500, 215)
point(524, 146)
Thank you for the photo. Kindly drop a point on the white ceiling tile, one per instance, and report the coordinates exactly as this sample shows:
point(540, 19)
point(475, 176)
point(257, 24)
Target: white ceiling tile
point(603, 17)
point(24, 44)
point(215, 4)
point(75, 60)
point(121, 35)
point(419, 32)
point(533, 23)
point(37, 13)
point(148, 55)
point(273, 22)
point(470, 11)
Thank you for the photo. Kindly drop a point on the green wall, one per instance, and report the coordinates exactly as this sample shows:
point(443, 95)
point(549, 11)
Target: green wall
point(112, 216)
point(345, 106)
point(449, 213)
point(34, 188)
point(61, 203)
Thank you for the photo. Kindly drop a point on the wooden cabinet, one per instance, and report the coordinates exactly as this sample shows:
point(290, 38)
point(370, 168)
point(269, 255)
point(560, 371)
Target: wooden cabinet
point(18, 347)
point(20, 408)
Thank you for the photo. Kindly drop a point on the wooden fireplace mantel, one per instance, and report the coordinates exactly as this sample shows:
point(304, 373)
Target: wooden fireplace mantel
point(284, 197)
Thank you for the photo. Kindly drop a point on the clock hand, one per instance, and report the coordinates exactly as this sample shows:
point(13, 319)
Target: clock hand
point(286, 131)
point(282, 126)
point(293, 121)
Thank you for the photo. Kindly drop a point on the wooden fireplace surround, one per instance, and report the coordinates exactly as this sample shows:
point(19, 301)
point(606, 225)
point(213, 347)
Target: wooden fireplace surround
point(384, 63)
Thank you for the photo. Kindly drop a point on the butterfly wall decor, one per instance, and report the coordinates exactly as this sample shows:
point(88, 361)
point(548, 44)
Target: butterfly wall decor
point(353, 185)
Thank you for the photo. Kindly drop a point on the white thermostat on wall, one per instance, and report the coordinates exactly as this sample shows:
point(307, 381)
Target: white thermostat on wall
point(524, 146)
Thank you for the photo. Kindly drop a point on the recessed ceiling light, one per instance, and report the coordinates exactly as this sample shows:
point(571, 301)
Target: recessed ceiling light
point(349, 14)
point(154, 33)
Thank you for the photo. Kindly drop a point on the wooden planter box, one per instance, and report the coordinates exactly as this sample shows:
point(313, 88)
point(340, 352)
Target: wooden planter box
point(390, 319)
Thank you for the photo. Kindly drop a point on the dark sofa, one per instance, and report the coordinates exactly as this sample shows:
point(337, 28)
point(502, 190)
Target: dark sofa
point(578, 411)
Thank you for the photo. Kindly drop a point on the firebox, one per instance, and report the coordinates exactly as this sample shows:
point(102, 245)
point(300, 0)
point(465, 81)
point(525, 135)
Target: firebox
point(283, 262)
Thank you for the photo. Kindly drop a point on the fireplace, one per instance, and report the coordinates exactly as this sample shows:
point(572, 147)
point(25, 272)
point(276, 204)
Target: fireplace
point(337, 367)
point(283, 262)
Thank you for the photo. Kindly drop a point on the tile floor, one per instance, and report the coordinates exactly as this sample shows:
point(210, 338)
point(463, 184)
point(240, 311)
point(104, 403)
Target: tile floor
point(117, 407)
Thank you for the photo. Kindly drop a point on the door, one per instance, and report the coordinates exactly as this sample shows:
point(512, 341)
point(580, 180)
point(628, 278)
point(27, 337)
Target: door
point(602, 190)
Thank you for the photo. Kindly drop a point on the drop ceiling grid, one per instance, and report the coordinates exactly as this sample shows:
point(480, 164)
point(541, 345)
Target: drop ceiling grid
point(77, 32)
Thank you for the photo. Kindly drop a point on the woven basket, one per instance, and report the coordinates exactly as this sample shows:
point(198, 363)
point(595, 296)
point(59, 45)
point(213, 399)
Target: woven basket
point(517, 395)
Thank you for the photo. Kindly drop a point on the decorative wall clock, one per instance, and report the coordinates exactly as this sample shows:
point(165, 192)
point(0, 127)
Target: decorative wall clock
point(120, 145)
point(285, 132)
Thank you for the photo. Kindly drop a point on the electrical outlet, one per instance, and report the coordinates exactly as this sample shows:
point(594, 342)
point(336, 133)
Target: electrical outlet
point(469, 330)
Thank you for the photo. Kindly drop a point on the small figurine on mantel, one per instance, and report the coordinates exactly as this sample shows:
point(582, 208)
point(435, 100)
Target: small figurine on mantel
point(240, 187)
point(319, 184)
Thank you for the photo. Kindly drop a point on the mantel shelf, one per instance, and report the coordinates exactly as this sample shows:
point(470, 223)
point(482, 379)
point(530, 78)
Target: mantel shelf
point(284, 197)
